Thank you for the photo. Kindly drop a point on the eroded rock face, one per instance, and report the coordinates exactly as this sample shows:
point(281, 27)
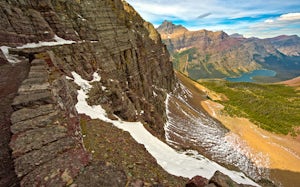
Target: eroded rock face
point(110, 38)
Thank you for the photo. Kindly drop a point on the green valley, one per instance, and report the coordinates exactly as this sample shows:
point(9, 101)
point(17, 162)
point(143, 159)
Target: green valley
point(275, 108)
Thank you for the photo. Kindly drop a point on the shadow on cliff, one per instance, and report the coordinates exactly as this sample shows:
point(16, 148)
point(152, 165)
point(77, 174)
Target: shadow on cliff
point(11, 77)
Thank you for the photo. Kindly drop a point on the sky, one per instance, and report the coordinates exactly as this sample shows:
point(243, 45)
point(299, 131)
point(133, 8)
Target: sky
point(252, 18)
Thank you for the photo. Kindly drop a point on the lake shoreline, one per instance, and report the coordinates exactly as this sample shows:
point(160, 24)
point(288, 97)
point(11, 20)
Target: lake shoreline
point(250, 76)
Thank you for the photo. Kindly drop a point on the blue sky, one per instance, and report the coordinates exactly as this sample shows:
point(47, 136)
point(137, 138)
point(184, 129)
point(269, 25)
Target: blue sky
point(259, 18)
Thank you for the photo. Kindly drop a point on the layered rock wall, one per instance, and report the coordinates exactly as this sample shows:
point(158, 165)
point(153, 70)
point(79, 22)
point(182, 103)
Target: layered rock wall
point(46, 143)
point(110, 38)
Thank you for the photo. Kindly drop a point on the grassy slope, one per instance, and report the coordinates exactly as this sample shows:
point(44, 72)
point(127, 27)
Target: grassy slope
point(199, 65)
point(275, 108)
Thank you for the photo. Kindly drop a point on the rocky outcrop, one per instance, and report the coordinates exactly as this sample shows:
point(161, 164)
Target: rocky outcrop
point(218, 180)
point(108, 37)
point(197, 181)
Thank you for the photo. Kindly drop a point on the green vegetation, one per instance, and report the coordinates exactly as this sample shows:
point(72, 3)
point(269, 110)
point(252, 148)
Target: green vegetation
point(198, 65)
point(275, 108)
point(180, 58)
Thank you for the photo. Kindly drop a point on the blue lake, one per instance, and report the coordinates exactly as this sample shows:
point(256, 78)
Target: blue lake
point(247, 77)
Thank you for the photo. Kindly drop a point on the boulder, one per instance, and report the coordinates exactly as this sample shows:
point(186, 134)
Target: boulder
point(197, 181)
point(219, 179)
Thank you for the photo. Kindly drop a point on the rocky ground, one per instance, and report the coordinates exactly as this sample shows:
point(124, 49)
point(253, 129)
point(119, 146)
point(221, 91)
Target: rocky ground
point(117, 148)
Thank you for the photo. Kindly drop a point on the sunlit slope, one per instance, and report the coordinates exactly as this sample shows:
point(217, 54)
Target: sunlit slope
point(275, 108)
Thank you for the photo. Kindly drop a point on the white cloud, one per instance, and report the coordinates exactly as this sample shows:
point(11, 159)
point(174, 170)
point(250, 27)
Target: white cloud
point(153, 10)
point(232, 16)
point(289, 17)
point(281, 21)
point(288, 24)
point(269, 21)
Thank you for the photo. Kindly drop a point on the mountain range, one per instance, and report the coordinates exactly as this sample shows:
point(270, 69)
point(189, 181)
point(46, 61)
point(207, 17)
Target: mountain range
point(89, 97)
point(208, 54)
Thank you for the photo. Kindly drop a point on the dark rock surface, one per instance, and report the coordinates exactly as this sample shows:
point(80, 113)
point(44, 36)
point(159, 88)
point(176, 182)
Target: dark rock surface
point(8, 89)
point(197, 181)
point(219, 179)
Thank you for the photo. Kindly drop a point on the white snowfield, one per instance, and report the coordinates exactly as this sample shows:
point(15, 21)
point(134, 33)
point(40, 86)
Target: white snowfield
point(176, 163)
point(58, 41)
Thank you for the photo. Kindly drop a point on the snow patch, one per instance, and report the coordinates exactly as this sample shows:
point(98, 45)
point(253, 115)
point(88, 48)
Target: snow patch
point(202, 131)
point(58, 41)
point(154, 93)
point(179, 164)
point(10, 58)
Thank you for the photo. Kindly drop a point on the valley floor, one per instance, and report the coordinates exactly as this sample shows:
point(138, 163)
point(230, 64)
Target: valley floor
point(283, 151)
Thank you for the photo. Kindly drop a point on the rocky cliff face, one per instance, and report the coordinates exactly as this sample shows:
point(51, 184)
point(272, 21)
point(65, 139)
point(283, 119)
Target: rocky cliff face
point(179, 38)
point(288, 45)
point(204, 54)
point(110, 38)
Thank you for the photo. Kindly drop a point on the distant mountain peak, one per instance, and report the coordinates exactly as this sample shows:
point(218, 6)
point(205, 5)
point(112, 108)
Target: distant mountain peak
point(237, 35)
point(168, 27)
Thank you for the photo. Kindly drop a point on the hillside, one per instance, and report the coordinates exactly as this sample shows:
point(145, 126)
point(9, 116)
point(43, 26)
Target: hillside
point(261, 104)
point(288, 45)
point(207, 54)
point(256, 147)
